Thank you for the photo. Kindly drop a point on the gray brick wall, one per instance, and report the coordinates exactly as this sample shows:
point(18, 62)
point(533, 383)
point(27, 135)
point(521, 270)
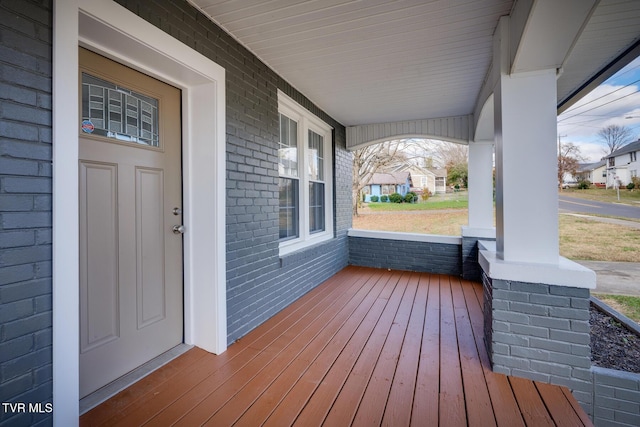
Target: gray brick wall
point(25, 207)
point(440, 258)
point(259, 282)
point(540, 332)
point(616, 399)
point(471, 269)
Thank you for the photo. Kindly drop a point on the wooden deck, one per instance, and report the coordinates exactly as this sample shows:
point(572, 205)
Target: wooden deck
point(368, 347)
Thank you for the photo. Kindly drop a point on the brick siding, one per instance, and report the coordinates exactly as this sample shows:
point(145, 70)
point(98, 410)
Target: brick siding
point(616, 400)
point(25, 208)
point(540, 332)
point(471, 269)
point(439, 258)
point(259, 282)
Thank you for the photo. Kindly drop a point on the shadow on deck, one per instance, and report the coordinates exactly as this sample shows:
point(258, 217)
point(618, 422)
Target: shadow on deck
point(367, 347)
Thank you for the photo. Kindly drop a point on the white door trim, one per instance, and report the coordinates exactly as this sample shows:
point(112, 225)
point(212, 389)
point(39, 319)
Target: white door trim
point(109, 29)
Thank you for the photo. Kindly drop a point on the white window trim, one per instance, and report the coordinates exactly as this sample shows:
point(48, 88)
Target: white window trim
point(308, 121)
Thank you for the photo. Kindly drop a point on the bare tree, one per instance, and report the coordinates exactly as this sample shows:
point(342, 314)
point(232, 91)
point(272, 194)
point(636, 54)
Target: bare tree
point(569, 159)
point(371, 159)
point(449, 153)
point(614, 137)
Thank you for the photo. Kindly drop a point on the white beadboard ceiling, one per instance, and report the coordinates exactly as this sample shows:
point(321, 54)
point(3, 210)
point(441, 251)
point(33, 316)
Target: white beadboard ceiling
point(376, 61)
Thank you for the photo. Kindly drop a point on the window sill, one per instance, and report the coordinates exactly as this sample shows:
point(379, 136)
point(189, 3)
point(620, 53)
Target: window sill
point(289, 247)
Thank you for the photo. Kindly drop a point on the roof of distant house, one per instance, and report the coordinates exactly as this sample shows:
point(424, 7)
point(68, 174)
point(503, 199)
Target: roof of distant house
point(632, 146)
point(389, 178)
point(418, 170)
point(585, 167)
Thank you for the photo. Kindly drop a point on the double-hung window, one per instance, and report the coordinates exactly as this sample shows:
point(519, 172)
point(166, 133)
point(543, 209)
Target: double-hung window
point(305, 177)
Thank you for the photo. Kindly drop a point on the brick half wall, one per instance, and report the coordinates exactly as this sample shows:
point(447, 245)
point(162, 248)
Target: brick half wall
point(404, 251)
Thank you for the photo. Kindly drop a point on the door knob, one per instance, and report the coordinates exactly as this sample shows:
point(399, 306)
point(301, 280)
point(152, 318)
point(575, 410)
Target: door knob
point(178, 229)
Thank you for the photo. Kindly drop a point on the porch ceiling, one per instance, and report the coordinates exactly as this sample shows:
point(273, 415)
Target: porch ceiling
point(384, 61)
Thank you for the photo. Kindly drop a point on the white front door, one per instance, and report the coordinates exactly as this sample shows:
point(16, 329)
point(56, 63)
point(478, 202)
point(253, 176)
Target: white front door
point(131, 287)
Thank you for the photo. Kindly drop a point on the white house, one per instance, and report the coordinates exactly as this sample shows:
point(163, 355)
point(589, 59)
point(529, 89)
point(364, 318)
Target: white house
point(434, 180)
point(622, 164)
point(595, 173)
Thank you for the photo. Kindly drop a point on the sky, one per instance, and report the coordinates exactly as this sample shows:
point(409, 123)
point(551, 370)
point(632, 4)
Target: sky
point(614, 102)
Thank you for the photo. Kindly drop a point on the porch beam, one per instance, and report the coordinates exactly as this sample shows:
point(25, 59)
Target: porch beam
point(543, 32)
point(453, 129)
point(537, 35)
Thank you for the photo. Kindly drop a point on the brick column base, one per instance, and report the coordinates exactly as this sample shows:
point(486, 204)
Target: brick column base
point(540, 332)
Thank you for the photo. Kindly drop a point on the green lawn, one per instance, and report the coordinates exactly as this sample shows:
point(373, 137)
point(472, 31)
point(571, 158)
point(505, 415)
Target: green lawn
point(454, 201)
point(631, 197)
point(629, 306)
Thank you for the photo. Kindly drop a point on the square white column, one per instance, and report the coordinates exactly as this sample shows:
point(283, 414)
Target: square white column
point(526, 163)
point(481, 185)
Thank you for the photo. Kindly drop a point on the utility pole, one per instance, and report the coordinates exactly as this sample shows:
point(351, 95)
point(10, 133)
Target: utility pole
point(560, 159)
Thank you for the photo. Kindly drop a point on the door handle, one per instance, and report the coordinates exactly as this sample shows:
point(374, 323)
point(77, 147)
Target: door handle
point(178, 229)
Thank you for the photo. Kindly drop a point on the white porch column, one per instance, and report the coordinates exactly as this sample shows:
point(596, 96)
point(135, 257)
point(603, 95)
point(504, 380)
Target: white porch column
point(480, 186)
point(480, 207)
point(526, 196)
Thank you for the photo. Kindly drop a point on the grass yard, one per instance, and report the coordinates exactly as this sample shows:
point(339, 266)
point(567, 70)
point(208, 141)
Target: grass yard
point(580, 239)
point(630, 197)
point(629, 306)
point(446, 223)
point(585, 239)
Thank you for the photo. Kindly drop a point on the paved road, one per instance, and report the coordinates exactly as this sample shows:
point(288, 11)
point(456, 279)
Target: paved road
point(617, 278)
point(577, 205)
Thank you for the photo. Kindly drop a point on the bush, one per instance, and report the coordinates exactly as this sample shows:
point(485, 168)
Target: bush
point(630, 186)
point(374, 198)
point(395, 198)
point(425, 194)
point(636, 181)
point(384, 198)
point(584, 184)
point(410, 197)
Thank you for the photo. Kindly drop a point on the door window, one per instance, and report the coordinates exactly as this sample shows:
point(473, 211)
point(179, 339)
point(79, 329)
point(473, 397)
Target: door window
point(114, 111)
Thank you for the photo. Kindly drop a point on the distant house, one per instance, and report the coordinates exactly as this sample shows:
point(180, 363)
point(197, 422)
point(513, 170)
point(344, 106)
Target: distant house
point(595, 173)
point(622, 164)
point(434, 180)
point(387, 183)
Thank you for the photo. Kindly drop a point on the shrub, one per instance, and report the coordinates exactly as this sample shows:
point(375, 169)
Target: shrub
point(374, 198)
point(636, 181)
point(384, 198)
point(425, 194)
point(584, 184)
point(410, 197)
point(395, 198)
point(630, 186)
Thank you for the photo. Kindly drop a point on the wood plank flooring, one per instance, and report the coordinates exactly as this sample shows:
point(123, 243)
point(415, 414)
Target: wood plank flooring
point(368, 347)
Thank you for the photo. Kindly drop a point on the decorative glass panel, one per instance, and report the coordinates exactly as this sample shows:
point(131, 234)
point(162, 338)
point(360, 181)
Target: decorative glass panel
point(288, 149)
point(316, 157)
point(316, 207)
point(116, 112)
point(288, 208)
